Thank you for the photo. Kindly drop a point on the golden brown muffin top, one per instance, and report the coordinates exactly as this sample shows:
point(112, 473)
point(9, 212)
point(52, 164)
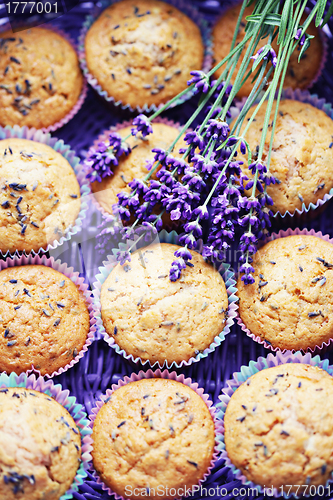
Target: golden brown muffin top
point(290, 303)
point(40, 446)
point(142, 51)
point(153, 318)
point(301, 157)
point(278, 426)
point(299, 74)
point(39, 195)
point(150, 433)
point(44, 319)
point(40, 77)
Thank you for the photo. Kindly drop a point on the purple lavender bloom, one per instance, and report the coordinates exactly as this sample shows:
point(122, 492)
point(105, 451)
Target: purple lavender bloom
point(201, 81)
point(201, 212)
point(183, 253)
point(217, 127)
point(123, 256)
point(194, 139)
point(118, 145)
point(270, 55)
point(142, 124)
point(160, 154)
point(176, 269)
point(100, 161)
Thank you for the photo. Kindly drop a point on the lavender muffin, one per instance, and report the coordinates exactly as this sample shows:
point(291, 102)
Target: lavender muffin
point(40, 446)
point(40, 78)
point(142, 51)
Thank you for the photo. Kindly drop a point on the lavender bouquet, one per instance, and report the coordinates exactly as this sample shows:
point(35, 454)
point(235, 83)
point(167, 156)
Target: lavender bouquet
point(208, 174)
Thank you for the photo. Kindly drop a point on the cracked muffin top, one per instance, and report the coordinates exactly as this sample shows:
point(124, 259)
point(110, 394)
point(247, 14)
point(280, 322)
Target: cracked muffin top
point(152, 433)
point(290, 304)
point(301, 158)
point(151, 317)
point(44, 319)
point(39, 195)
point(278, 426)
point(40, 446)
point(142, 51)
point(40, 77)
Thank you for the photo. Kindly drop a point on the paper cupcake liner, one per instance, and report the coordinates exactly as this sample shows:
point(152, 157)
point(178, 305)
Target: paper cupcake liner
point(75, 410)
point(323, 38)
point(188, 9)
point(58, 145)
point(103, 137)
point(228, 277)
point(83, 94)
point(322, 348)
point(165, 375)
point(306, 212)
point(238, 379)
point(25, 260)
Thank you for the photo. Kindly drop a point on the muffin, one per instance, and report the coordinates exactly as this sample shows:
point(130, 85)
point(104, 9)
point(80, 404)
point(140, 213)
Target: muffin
point(39, 197)
point(142, 51)
point(290, 304)
point(44, 319)
point(40, 78)
point(135, 164)
point(153, 433)
point(40, 446)
point(302, 158)
point(299, 74)
point(154, 319)
point(278, 427)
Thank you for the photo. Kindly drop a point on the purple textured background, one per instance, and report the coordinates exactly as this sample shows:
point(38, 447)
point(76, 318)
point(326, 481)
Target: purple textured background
point(101, 366)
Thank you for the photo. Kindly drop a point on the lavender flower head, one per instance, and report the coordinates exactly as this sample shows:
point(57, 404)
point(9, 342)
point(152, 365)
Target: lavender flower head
point(141, 124)
point(201, 81)
point(269, 54)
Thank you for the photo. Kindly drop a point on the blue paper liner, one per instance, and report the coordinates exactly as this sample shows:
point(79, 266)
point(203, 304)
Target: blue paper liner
point(238, 379)
point(186, 8)
point(228, 277)
point(75, 410)
point(58, 145)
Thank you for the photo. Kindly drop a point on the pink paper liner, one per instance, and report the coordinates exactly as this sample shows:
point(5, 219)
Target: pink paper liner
point(84, 90)
point(25, 260)
point(165, 375)
point(187, 8)
point(320, 103)
point(228, 277)
point(238, 378)
point(325, 346)
point(323, 38)
point(79, 416)
point(104, 137)
point(58, 145)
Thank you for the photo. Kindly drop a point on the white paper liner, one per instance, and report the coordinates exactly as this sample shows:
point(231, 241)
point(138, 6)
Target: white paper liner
point(25, 260)
point(58, 145)
point(238, 379)
point(325, 346)
point(75, 410)
point(165, 375)
point(228, 277)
